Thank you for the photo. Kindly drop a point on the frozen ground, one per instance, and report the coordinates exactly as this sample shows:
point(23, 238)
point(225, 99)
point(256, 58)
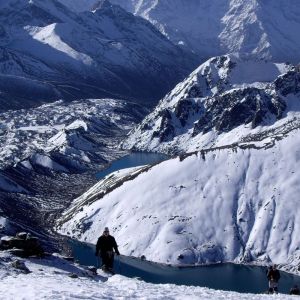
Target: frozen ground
point(50, 279)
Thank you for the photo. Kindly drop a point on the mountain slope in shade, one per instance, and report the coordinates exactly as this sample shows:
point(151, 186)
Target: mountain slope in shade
point(232, 204)
point(50, 52)
point(265, 29)
point(80, 5)
point(226, 100)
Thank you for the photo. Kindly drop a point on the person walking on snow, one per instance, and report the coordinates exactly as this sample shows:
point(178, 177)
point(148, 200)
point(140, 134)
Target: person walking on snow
point(105, 246)
point(273, 276)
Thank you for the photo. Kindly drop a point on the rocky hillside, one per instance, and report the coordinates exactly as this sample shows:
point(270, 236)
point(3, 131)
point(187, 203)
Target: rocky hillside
point(50, 155)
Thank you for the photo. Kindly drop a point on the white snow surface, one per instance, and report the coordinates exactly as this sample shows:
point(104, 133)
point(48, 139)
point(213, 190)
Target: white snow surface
point(232, 204)
point(49, 279)
point(259, 28)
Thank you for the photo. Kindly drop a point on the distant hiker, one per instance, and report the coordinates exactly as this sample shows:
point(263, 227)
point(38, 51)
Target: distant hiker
point(273, 276)
point(105, 246)
point(295, 290)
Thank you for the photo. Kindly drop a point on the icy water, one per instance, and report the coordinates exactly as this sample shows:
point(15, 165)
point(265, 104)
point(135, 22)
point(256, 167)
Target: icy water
point(239, 278)
point(133, 159)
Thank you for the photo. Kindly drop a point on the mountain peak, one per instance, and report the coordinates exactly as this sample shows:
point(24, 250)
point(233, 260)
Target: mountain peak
point(226, 94)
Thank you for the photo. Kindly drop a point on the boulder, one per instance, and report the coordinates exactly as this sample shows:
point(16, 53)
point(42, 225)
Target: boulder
point(20, 265)
point(24, 245)
point(22, 235)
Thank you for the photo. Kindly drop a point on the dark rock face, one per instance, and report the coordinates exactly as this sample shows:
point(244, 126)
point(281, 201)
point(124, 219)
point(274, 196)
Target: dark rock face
point(225, 110)
point(23, 245)
point(231, 110)
point(194, 92)
point(166, 130)
point(289, 83)
point(184, 109)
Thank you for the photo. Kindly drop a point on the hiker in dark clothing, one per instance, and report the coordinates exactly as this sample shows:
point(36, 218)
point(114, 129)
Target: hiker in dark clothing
point(105, 246)
point(273, 276)
point(295, 290)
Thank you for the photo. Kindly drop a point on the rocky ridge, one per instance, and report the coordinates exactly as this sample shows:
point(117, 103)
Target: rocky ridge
point(226, 100)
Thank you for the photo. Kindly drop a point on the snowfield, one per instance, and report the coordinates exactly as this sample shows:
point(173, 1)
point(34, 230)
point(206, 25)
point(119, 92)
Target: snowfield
point(235, 199)
point(49, 278)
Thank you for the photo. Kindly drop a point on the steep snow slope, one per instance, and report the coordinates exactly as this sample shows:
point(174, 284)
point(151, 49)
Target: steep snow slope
point(226, 100)
point(267, 29)
point(233, 204)
point(50, 52)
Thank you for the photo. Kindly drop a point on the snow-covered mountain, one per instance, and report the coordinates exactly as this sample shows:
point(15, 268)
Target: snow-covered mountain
point(226, 100)
point(49, 52)
point(262, 28)
point(237, 204)
point(235, 198)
